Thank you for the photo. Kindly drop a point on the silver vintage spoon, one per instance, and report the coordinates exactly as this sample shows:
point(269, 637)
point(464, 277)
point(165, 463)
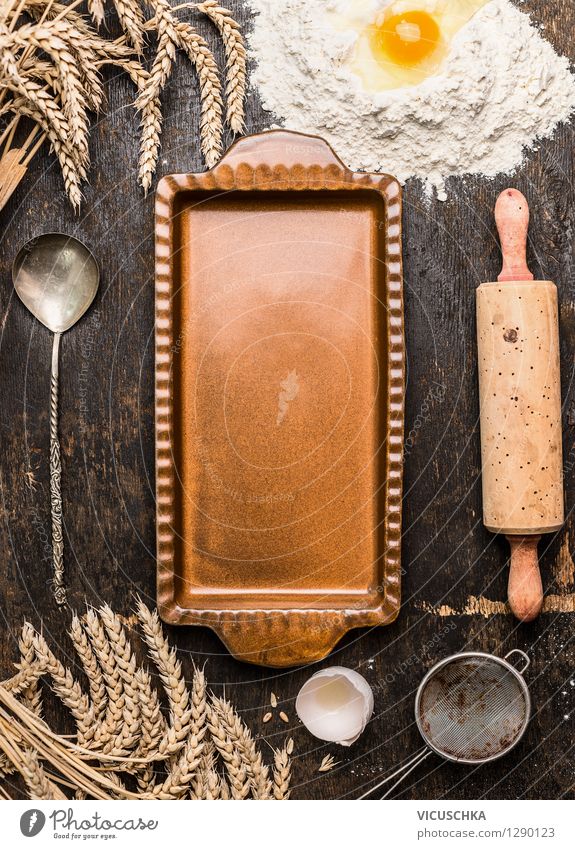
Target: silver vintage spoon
point(57, 278)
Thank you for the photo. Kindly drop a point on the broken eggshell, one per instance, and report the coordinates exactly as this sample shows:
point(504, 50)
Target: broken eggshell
point(335, 705)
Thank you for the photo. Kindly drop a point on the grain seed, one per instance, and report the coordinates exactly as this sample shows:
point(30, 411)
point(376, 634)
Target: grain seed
point(327, 764)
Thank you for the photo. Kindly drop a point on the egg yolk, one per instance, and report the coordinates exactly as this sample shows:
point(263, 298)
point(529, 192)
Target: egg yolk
point(407, 39)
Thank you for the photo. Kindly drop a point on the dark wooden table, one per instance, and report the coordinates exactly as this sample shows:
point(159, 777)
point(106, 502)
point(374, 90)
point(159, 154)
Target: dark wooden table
point(448, 557)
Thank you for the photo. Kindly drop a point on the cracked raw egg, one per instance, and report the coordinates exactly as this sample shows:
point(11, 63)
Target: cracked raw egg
point(403, 42)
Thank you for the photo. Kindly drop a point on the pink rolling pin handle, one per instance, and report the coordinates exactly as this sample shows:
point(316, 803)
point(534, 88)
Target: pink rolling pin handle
point(525, 590)
point(512, 219)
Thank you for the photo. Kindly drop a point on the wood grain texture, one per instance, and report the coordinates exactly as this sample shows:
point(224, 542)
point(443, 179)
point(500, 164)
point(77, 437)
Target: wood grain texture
point(107, 427)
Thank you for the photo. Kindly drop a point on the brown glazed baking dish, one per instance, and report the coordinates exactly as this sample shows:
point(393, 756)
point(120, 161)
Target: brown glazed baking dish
point(279, 398)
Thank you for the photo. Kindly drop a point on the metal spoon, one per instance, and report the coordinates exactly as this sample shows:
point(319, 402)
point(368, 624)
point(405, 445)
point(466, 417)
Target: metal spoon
point(57, 278)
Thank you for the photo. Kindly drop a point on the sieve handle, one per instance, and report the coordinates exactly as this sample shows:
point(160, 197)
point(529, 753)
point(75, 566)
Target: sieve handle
point(525, 658)
point(406, 772)
point(400, 773)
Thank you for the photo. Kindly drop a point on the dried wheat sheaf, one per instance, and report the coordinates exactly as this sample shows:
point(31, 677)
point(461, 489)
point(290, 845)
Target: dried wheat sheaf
point(130, 741)
point(51, 60)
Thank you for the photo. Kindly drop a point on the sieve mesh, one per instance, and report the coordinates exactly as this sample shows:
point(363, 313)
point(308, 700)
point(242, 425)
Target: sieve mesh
point(472, 709)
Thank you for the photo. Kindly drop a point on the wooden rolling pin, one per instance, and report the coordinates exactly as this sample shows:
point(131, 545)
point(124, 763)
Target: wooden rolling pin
point(520, 396)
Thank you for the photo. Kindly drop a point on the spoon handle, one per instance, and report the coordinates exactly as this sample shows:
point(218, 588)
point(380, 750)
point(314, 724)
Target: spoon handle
point(55, 481)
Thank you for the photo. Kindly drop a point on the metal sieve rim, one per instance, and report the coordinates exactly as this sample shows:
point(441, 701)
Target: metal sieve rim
point(485, 656)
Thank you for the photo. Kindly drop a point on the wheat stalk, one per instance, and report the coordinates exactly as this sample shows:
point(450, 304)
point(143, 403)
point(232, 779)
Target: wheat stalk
point(38, 105)
point(50, 72)
point(120, 728)
point(18, 726)
point(235, 52)
point(47, 38)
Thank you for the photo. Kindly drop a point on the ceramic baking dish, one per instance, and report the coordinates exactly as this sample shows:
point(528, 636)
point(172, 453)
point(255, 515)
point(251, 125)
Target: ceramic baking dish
point(279, 398)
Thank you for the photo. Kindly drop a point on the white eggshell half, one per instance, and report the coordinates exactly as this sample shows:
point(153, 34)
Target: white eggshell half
point(335, 705)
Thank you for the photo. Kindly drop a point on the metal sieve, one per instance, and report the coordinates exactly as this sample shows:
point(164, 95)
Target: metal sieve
point(470, 708)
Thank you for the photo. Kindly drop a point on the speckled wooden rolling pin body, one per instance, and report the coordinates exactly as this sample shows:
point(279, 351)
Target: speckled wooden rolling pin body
point(520, 395)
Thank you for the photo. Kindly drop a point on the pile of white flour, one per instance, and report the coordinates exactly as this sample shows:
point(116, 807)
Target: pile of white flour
point(501, 88)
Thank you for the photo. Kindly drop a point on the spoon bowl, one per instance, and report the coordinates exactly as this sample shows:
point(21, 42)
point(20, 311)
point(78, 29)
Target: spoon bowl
point(57, 278)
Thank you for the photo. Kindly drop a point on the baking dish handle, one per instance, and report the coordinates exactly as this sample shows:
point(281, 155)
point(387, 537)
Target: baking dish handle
point(281, 638)
point(277, 638)
point(280, 147)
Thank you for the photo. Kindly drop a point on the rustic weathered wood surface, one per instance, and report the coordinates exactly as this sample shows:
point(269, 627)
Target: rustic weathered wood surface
point(107, 442)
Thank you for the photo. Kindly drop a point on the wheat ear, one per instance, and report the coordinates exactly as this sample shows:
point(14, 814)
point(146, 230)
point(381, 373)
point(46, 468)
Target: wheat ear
point(148, 103)
point(240, 785)
point(31, 695)
point(6, 766)
point(131, 19)
point(182, 771)
point(47, 39)
point(78, 31)
point(85, 48)
point(90, 666)
point(24, 678)
point(170, 670)
point(153, 727)
point(37, 782)
point(282, 771)
point(150, 121)
point(210, 91)
point(67, 689)
point(241, 738)
point(34, 101)
point(110, 725)
point(206, 784)
point(235, 51)
point(126, 665)
point(72, 173)
point(97, 12)
point(172, 33)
